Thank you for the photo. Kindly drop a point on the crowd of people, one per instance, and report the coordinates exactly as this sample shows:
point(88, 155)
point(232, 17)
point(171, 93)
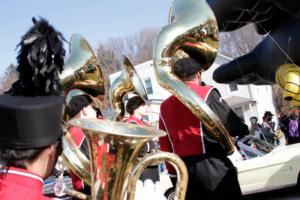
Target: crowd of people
point(287, 128)
point(266, 130)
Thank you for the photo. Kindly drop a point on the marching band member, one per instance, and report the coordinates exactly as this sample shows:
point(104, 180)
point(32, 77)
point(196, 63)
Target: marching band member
point(31, 115)
point(137, 109)
point(79, 107)
point(211, 173)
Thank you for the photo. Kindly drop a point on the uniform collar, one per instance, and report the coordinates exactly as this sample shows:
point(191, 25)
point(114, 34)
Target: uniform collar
point(135, 119)
point(22, 177)
point(191, 84)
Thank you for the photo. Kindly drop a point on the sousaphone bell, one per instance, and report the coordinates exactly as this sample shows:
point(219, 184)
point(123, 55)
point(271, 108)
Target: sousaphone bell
point(114, 149)
point(192, 29)
point(128, 81)
point(81, 71)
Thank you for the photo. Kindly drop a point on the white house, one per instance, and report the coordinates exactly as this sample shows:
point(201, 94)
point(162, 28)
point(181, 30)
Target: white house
point(245, 100)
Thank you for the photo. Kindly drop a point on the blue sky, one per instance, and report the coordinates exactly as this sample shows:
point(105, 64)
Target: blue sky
point(96, 20)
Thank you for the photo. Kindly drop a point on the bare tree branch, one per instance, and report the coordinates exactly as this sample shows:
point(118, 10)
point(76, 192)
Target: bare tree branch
point(137, 47)
point(11, 75)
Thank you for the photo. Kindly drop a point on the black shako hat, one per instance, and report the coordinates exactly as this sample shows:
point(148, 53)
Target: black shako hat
point(30, 122)
point(185, 67)
point(133, 103)
point(77, 103)
point(31, 111)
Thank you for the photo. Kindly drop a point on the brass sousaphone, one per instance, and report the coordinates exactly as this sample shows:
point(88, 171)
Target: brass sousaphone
point(114, 149)
point(71, 156)
point(193, 29)
point(81, 71)
point(128, 81)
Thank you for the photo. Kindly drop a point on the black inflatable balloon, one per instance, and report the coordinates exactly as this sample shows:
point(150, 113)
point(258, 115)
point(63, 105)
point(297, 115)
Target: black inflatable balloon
point(233, 14)
point(282, 23)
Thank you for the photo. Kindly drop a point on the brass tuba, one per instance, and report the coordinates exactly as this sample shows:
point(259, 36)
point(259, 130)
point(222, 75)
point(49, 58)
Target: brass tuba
point(128, 81)
point(193, 29)
point(71, 156)
point(114, 149)
point(82, 71)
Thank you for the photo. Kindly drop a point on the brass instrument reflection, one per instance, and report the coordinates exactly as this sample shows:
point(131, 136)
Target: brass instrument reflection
point(82, 71)
point(114, 148)
point(128, 81)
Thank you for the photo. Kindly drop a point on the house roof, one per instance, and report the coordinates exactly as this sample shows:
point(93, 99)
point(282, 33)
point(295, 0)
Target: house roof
point(237, 100)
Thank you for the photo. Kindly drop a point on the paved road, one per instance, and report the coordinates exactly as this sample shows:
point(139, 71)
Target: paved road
point(292, 193)
point(283, 194)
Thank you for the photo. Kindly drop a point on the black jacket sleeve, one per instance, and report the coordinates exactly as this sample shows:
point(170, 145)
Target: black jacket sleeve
point(229, 119)
point(85, 148)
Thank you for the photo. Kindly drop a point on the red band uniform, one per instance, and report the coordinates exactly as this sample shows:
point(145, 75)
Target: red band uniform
point(31, 115)
point(210, 171)
point(134, 107)
point(78, 107)
point(21, 184)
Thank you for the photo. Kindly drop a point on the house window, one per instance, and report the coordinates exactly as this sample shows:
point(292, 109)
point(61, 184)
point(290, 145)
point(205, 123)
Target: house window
point(148, 86)
point(233, 87)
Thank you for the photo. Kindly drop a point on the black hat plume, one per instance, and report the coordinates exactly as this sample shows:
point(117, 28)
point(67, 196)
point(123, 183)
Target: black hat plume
point(40, 60)
point(31, 111)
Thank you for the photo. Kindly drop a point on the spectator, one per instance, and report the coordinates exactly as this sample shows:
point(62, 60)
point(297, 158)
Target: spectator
point(292, 134)
point(267, 128)
point(283, 123)
point(255, 127)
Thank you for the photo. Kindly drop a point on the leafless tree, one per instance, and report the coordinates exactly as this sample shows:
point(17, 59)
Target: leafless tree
point(282, 106)
point(239, 42)
point(9, 78)
point(145, 41)
point(137, 47)
point(108, 58)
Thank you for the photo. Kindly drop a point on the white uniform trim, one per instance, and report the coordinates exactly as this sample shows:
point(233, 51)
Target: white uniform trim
point(171, 175)
point(209, 91)
point(201, 136)
point(160, 115)
point(81, 141)
point(200, 128)
point(22, 174)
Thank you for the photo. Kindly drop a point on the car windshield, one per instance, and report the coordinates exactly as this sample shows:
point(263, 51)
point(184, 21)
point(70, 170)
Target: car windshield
point(251, 147)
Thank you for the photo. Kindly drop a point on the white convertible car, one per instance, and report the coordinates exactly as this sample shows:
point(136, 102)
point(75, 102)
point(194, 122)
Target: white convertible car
point(262, 167)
